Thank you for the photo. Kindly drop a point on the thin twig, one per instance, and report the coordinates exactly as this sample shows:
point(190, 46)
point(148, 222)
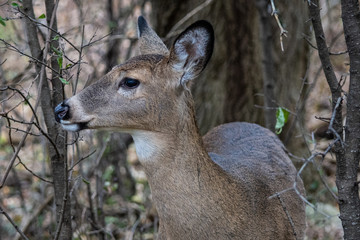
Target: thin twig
point(36, 214)
point(15, 49)
point(101, 230)
point(298, 175)
point(330, 53)
point(323, 50)
point(13, 223)
point(3, 62)
point(7, 98)
point(82, 159)
point(5, 3)
point(5, 115)
point(283, 32)
point(53, 30)
point(133, 229)
point(288, 215)
point(49, 28)
point(34, 174)
point(310, 159)
point(79, 61)
point(23, 131)
point(16, 153)
point(37, 124)
point(323, 180)
point(187, 17)
point(91, 42)
point(338, 102)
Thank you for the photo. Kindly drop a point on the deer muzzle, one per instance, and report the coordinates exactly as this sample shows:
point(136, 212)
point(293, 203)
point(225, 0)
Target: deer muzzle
point(62, 112)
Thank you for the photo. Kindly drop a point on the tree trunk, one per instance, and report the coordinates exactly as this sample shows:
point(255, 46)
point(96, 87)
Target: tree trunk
point(347, 152)
point(49, 99)
point(267, 38)
point(347, 168)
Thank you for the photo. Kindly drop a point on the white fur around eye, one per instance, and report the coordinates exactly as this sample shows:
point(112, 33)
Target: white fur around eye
point(126, 92)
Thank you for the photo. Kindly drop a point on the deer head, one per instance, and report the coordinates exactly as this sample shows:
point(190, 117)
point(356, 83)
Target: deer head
point(148, 92)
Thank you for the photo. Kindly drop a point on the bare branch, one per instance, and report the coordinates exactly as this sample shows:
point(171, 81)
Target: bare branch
point(34, 174)
point(37, 124)
point(323, 49)
point(36, 214)
point(91, 42)
point(82, 159)
point(49, 28)
point(79, 61)
point(331, 128)
point(13, 223)
point(12, 160)
point(283, 32)
point(287, 215)
point(330, 53)
point(187, 17)
point(15, 49)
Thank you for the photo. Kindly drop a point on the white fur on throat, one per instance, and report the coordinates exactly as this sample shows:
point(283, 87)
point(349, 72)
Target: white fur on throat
point(147, 144)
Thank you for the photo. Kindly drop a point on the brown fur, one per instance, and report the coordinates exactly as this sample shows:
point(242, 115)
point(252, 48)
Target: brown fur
point(216, 187)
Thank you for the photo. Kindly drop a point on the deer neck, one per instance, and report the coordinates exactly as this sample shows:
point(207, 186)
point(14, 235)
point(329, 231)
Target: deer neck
point(177, 168)
point(172, 157)
point(173, 152)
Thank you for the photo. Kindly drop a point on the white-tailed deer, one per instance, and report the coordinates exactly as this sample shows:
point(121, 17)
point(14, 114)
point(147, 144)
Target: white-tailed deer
point(215, 187)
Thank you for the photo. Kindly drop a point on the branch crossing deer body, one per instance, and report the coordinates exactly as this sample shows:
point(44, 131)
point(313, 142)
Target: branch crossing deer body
point(215, 187)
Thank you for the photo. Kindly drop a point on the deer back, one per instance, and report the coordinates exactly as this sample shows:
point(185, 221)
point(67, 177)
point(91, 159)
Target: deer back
point(216, 187)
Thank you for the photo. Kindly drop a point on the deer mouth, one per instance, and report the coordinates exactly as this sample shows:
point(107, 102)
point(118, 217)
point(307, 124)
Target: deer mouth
point(74, 127)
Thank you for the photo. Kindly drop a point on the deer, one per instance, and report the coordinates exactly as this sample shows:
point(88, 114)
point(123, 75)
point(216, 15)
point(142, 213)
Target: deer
point(214, 187)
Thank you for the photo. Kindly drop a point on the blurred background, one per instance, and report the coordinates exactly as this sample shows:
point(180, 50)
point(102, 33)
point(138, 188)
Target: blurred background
point(255, 71)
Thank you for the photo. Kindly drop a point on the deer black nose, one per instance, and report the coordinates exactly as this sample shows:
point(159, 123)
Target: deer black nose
point(62, 112)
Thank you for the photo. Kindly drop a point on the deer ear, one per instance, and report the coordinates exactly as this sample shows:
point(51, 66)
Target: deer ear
point(149, 41)
point(192, 50)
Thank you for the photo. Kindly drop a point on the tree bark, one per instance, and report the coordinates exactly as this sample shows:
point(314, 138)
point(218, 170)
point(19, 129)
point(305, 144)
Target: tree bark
point(49, 99)
point(347, 167)
point(267, 38)
point(113, 49)
point(58, 161)
point(347, 153)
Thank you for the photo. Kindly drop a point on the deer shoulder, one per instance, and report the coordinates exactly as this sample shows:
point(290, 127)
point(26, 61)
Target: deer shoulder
point(223, 186)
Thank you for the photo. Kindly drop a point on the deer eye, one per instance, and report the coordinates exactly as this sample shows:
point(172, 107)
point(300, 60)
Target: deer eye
point(129, 83)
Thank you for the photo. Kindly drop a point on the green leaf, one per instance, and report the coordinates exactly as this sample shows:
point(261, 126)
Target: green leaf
point(60, 61)
point(68, 66)
point(85, 181)
point(282, 116)
point(108, 173)
point(2, 21)
point(56, 38)
point(60, 56)
point(14, 4)
point(42, 16)
point(314, 185)
point(58, 53)
point(64, 81)
point(112, 24)
point(28, 97)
